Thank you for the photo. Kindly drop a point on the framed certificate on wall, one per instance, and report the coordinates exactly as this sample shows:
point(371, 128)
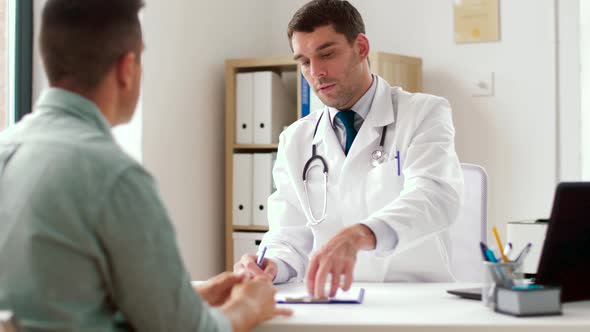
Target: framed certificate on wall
point(477, 20)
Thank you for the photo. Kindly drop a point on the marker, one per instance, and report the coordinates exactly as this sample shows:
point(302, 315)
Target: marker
point(261, 257)
point(490, 256)
point(508, 249)
point(487, 253)
point(484, 248)
point(497, 236)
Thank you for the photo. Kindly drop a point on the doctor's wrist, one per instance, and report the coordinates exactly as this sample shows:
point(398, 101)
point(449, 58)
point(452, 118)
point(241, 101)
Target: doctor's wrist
point(364, 238)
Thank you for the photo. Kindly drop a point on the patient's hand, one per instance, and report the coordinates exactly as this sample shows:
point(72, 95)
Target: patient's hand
point(216, 290)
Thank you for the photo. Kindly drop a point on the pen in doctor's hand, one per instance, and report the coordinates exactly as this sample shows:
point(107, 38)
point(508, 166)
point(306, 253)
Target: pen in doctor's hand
point(261, 257)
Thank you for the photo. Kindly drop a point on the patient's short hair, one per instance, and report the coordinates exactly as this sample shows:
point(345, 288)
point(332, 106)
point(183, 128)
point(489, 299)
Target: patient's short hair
point(82, 39)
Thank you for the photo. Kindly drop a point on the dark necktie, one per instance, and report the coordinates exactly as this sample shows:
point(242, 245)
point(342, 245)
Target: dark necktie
point(347, 119)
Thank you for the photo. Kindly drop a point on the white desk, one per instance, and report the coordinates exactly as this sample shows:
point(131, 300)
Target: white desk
point(419, 307)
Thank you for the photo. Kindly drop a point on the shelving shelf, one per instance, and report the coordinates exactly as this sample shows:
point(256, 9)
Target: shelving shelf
point(250, 229)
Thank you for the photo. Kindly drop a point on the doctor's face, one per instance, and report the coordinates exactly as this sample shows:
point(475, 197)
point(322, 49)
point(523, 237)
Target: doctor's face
point(334, 68)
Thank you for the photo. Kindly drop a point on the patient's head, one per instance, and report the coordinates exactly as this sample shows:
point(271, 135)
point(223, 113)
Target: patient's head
point(84, 41)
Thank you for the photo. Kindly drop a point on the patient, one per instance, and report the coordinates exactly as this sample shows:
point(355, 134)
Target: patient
point(85, 241)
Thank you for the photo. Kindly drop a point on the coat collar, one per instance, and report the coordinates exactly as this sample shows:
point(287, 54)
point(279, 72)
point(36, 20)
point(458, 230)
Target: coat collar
point(362, 106)
point(381, 114)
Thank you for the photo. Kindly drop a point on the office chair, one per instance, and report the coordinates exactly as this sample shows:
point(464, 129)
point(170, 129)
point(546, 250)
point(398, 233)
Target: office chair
point(470, 227)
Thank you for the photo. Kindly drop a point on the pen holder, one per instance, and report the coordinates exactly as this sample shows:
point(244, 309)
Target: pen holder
point(499, 273)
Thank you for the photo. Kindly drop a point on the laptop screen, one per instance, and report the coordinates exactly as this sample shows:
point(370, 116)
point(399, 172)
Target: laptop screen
point(565, 260)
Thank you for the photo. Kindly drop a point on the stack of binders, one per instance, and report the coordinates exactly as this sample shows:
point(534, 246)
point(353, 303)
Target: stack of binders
point(263, 108)
point(309, 100)
point(252, 184)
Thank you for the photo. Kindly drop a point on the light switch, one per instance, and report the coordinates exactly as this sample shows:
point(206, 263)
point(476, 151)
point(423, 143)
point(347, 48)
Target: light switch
point(482, 84)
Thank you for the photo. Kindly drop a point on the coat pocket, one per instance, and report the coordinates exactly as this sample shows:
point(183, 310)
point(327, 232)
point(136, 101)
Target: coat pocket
point(383, 185)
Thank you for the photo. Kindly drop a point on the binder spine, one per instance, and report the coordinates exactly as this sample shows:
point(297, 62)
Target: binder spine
point(305, 97)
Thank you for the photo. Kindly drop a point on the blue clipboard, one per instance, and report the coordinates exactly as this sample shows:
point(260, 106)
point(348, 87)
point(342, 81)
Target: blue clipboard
point(353, 296)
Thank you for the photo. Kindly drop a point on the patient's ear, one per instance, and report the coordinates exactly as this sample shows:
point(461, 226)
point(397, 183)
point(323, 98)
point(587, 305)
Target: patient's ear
point(126, 69)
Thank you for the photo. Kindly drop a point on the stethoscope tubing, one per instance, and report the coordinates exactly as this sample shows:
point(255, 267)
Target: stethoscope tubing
point(315, 156)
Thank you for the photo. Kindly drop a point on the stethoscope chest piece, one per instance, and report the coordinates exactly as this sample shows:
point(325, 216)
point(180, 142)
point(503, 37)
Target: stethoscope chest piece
point(378, 157)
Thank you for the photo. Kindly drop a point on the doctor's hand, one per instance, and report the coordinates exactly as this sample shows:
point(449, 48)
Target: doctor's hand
point(338, 258)
point(216, 290)
point(247, 264)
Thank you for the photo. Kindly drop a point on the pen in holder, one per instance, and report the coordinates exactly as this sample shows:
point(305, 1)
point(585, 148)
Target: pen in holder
point(497, 273)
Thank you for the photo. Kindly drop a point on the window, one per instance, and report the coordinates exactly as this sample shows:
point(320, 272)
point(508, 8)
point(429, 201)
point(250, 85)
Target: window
point(16, 48)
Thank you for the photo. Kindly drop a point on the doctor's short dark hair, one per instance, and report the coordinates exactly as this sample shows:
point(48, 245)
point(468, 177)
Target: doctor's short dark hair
point(343, 16)
point(81, 40)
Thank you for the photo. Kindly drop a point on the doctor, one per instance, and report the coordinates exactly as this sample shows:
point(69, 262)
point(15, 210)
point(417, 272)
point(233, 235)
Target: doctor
point(366, 187)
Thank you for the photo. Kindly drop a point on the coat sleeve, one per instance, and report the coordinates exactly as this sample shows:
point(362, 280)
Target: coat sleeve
point(431, 197)
point(288, 238)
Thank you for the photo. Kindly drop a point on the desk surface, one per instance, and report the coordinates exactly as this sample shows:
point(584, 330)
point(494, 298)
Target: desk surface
point(419, 307)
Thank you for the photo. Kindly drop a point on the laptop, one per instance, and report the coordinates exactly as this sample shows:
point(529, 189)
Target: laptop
point(565, 259)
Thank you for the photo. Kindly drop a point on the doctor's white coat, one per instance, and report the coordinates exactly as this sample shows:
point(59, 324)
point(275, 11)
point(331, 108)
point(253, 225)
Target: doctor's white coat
point(419, 205)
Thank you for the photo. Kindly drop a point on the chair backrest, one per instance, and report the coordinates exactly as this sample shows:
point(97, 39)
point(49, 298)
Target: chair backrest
point(470, 227)
point(7, 321)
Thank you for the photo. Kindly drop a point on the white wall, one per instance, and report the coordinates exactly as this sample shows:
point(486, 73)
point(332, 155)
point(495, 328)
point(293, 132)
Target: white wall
point(187, 43)
point(512, 134)
point(585, 83)
point(281, 13)
point(569, 90)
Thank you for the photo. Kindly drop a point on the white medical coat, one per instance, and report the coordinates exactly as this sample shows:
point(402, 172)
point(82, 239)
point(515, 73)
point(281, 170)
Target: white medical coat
point(419, 205)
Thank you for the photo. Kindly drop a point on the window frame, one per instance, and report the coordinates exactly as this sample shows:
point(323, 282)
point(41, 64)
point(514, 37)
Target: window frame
point(19, 59)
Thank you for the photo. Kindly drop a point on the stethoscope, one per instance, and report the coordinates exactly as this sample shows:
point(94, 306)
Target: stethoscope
point(377, 158)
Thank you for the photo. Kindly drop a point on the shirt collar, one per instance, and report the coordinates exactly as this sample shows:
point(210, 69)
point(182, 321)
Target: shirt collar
point(362, 106)
point(74, 104)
